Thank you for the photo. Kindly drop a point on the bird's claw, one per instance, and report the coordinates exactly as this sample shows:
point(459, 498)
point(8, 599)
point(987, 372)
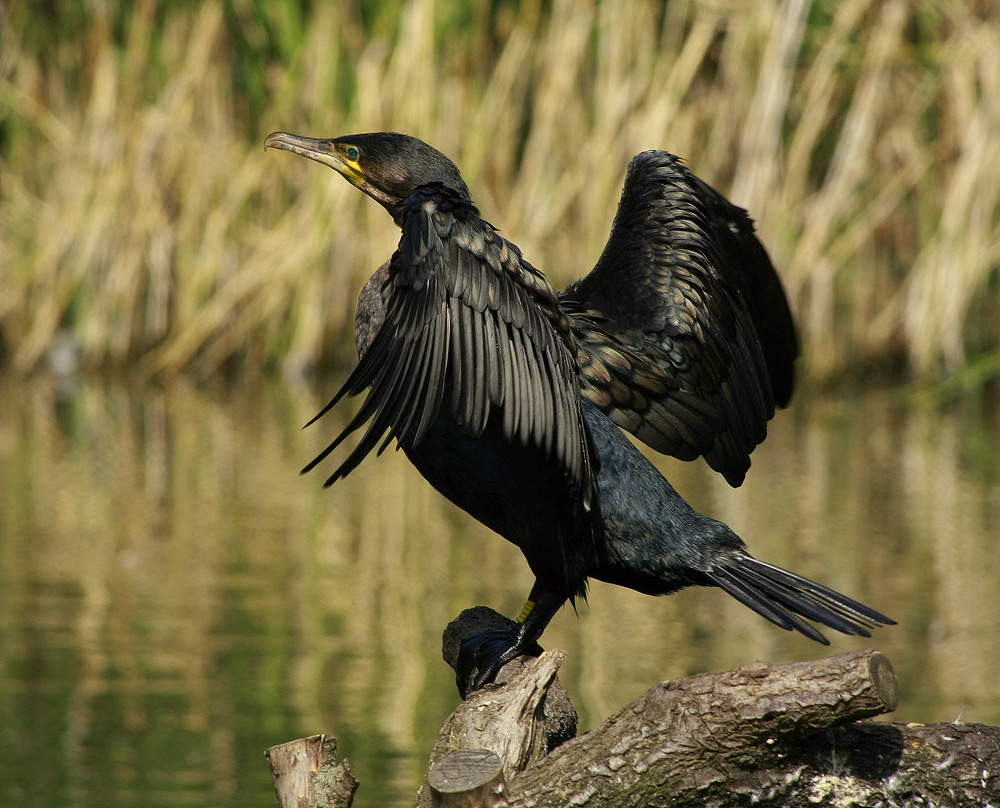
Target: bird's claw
point(481, 656)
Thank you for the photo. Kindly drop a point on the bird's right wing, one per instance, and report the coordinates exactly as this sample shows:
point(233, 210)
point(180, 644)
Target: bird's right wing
point(684, 333)
point(471, 330)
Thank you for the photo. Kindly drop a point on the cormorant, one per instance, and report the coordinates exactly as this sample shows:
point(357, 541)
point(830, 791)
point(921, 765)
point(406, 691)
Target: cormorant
point(507, 395)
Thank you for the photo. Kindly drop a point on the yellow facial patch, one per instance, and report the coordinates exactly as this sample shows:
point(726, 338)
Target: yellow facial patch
point(348, 164)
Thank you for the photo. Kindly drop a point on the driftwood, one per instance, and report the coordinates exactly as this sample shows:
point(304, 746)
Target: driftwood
point(760, 735)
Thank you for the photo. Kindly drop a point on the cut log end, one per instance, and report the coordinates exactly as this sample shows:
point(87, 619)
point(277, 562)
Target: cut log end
point(884, 678)
point(466, 778)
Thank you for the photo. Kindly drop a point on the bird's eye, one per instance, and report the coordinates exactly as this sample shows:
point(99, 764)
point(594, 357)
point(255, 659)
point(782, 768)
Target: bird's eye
point(353, 153)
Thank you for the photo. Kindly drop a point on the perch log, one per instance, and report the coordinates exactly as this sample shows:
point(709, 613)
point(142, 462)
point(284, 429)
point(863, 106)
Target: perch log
point(762, 735)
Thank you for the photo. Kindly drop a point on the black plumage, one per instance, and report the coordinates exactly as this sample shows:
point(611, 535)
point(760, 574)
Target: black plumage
point(506, 394)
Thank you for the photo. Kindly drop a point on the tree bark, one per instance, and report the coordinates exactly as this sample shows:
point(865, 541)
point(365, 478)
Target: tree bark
point(760, 735)
point(306, 774)
point(768, 736)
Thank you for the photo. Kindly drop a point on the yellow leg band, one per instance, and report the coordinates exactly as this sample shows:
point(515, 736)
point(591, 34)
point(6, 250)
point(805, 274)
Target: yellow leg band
point(525, 611)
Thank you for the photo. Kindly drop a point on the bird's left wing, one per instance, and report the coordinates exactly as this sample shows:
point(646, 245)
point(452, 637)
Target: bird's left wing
point(471, 331)
point(685, 335)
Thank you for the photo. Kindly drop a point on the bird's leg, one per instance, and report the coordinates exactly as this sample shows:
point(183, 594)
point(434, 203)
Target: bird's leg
point(481, 656)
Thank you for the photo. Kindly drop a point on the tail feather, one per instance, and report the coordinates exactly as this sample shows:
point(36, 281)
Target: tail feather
point(822, 611)
point(785, 598)
point(764, 605)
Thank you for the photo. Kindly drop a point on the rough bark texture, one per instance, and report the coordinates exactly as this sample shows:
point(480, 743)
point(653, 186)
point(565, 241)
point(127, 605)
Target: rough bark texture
point(695, 741)
point(514, 721)
point(760, 735)
point(875, 764)
point(306, 774)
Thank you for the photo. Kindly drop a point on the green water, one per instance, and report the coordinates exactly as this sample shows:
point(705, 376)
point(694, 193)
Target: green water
point(175, 598)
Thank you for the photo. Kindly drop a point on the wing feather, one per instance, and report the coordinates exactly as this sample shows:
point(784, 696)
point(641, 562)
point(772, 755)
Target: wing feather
point(472, 332)
point(684, 307)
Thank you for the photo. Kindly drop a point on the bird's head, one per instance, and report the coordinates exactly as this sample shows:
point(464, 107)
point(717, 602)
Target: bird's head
point(387, 166)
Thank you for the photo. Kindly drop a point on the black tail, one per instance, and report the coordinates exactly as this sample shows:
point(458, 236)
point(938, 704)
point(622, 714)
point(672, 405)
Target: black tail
point(785, 598)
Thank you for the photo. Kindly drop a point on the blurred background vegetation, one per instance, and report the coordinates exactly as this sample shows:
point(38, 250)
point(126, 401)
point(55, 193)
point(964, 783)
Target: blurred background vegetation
point(142, 226)
point(174, 598)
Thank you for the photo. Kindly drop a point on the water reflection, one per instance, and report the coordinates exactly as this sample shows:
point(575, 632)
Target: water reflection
point(174, 598)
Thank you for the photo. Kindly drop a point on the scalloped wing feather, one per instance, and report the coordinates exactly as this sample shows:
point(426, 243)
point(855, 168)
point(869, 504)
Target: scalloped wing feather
point(683, 331)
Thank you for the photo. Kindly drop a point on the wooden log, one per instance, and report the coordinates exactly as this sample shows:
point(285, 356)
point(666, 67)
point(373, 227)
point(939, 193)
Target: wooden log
point(704, 739)
point(509, 721)
point(879, 764)
point(768, 736)
point(467, 778)
point(306, 774)
point(763, 735)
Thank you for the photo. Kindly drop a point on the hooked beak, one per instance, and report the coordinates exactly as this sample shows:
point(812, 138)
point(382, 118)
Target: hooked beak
point(319, 149)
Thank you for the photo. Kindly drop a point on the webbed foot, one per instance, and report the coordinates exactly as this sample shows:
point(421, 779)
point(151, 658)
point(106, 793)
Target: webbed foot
point(481, 656)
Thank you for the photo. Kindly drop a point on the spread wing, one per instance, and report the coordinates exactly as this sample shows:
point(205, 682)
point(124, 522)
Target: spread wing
point(684, 334)
point(471, 331)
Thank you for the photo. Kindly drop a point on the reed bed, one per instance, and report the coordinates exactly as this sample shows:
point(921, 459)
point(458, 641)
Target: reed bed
point(142, 225)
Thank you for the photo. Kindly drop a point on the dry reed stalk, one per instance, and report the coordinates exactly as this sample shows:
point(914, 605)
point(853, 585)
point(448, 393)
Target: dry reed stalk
point(137, 213)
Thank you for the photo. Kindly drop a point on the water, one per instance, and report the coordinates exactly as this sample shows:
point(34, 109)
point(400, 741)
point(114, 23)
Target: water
point(175, 598)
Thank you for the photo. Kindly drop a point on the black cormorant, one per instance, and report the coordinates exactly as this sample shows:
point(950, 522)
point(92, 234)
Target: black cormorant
point(507, 395)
